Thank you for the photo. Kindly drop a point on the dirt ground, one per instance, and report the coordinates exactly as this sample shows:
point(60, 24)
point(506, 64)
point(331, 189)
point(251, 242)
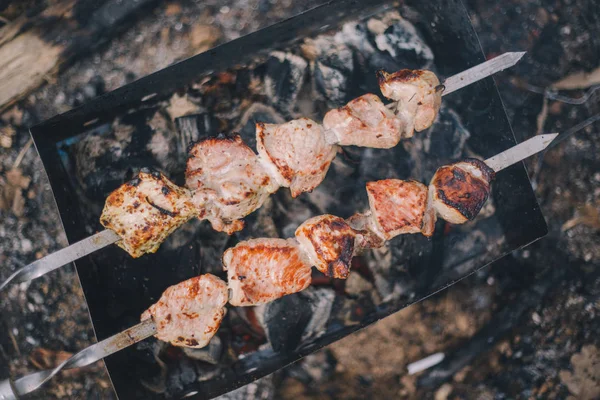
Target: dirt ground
point(526, 327)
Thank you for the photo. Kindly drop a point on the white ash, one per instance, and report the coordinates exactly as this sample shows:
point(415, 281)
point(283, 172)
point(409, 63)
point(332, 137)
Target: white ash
point(321, 301)
point(405, 37)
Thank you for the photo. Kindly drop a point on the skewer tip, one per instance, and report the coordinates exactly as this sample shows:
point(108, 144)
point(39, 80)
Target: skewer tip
point(514, 57)
point(548, 138)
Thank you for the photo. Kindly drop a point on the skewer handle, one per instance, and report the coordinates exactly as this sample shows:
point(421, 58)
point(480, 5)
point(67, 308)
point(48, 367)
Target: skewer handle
point(10, 390)
point(61, 257)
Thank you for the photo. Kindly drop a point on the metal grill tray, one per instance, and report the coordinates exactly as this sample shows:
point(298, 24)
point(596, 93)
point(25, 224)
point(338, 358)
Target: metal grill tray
point(118, 288)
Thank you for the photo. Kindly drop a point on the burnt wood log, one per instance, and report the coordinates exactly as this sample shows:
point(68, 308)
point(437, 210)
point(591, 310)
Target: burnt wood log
point(35, 47)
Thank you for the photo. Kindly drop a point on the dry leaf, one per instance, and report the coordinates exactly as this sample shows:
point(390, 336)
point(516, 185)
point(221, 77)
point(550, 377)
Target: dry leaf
point(13, 116)
point(584, 381)
point(5, 141)
point(11, 193)
point(579, 80)
point(15, 178)
point(6, 134)
point(588, 215)
point(203, 37)
point(180, 106)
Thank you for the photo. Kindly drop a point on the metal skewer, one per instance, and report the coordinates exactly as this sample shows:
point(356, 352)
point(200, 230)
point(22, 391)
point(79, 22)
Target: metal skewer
point(520, 152)
point(106, 237)
point(474, 74)
point(62, 257)
point(9, 390)
point(481, 71)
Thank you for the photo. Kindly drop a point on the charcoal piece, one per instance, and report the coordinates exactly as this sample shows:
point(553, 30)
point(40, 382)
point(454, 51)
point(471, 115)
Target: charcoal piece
point(289, 213)
point(100, 164)
point(356, 284)
point(394, 163)
point(257, 112)
point(212, 246)
point(284, 79)
point(210, 354)
point(163, 142)
point(330, 51)
point(339, 184)
point(439, 145)
point(186, 252)
point(321, 302)
point(194, 127)
point(331, 83)
point(180, 375)
point(259, 223)
point(404, 44)
point(447, 137)
point(332, 69)
point(357, 36)
point(285, 320)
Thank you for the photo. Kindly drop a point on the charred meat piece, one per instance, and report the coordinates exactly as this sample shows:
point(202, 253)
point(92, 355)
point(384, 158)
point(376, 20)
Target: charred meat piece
point(328, 241)
point(227, 180)
point(418, 94)
point(364, 122)
point(262, 270)
point(295, 153)
point(145, 210)
point(188, 314)
point(397, 206)
point(460, 190)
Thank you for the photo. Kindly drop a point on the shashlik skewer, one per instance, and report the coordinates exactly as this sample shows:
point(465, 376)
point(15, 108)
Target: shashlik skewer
point(231, 204)
point(188, 314)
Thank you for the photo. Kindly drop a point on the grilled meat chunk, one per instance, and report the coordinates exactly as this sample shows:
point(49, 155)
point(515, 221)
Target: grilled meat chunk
point(397, 206)
point(295, 153)
point(227, 180)
point(188, 314)
point(262, 270)
point(364, 122)
point(417, 93)
point(368, 235)
point(328, 241)
point(461, 189)
point(145, 210)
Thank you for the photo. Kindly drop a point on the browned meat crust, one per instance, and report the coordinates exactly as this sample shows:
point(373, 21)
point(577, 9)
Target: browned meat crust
point(398, 206)
point(262, 270)
point(188, 314)
point(145, 211)
point(329, 244)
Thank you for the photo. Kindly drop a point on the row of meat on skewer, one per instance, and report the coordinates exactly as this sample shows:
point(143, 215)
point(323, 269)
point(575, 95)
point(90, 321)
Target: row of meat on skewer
point(226, 180)
point(262, 270)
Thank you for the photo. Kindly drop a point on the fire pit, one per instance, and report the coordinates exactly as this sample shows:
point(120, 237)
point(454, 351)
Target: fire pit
point(301, 67)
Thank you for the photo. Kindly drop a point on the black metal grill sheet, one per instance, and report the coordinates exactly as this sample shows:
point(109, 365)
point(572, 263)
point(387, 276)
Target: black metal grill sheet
point(272, 76)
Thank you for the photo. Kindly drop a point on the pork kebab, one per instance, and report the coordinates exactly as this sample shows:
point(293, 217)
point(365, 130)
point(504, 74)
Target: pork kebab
point(189, 313)
point(226, 180)
point(265, 269)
